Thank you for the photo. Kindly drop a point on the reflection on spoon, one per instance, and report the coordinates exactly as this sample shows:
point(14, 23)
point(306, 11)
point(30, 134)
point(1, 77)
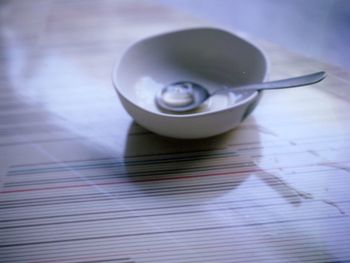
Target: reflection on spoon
point(185, 95)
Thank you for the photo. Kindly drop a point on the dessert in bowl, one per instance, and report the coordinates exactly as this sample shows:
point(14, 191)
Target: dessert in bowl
point(209, 57)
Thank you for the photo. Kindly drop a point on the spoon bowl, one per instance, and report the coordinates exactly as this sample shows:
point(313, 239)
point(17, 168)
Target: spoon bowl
point(211, 57)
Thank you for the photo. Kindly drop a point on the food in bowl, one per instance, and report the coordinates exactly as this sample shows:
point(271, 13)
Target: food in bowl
point(210, 57)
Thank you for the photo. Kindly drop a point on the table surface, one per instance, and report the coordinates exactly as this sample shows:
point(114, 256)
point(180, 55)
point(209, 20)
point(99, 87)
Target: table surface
point(81, 182)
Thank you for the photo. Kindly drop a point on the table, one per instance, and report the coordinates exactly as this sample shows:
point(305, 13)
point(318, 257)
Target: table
point(81, 182)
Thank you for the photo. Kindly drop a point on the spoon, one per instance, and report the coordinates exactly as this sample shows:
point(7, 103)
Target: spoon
point(186, 95)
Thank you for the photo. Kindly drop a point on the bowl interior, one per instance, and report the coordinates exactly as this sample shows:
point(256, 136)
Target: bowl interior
point(212, 58)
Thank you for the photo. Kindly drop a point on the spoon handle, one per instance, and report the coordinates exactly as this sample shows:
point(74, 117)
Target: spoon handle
point(285, 83)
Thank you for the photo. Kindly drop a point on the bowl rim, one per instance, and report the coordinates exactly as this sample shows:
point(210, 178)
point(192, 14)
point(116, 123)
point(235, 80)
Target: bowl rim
point(251, 97)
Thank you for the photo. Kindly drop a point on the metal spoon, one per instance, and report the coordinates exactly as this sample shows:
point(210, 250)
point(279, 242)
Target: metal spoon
point(185, 95)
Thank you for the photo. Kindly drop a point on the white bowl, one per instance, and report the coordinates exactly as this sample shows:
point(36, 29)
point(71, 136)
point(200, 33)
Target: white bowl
point(211, 57)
